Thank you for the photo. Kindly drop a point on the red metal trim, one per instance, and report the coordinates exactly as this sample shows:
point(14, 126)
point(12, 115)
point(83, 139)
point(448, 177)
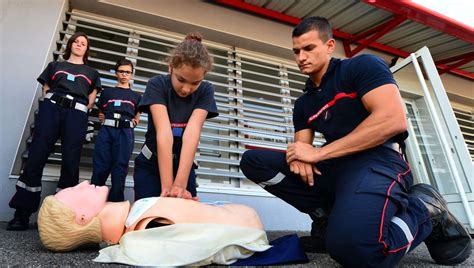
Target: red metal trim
point(427, 17)
point(375, 29)
point(459, 72)
point(272, 14)
point(376, 33)
point(455, 65)
point(455, 58)
point(260, 10)
point(240, 4)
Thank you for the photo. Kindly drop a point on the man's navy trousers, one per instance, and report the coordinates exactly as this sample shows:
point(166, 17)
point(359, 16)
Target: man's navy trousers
point(372, 220)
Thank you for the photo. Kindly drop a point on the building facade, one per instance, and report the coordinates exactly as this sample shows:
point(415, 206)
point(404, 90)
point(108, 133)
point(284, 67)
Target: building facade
point(256, 84)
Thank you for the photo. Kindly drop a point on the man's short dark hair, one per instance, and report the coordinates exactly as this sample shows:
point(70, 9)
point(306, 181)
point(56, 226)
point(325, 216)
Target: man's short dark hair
point(314, 23)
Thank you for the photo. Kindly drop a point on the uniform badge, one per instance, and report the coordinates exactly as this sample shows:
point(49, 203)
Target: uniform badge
point(71, 77)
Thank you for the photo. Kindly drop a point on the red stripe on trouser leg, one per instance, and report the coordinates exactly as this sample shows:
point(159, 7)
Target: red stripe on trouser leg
point(385, 246)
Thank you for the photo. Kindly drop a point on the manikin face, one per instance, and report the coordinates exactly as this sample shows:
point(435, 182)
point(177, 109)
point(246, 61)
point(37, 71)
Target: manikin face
point(186, 79)
point(124, 74)
point(311, 53)
point(79, 46)
point(85, 199)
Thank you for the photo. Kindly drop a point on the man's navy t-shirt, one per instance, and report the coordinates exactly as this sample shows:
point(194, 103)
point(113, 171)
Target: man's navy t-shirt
point(335, 107)
point(159, 90)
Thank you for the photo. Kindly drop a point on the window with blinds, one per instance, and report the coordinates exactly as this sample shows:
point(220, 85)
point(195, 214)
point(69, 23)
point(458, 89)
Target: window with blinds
point(465, 120)
point(255, 94)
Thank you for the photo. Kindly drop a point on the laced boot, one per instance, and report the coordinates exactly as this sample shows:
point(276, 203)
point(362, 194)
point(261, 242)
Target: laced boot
point(316, 242)
point(449, 243)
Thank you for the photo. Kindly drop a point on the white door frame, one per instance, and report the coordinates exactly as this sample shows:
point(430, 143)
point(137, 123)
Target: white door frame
point(452, 131)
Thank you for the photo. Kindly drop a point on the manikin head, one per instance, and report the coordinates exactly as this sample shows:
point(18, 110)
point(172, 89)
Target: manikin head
point(80, 215)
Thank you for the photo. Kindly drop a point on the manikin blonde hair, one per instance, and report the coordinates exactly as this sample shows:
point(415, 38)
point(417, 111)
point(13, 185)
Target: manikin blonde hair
point(58, 230)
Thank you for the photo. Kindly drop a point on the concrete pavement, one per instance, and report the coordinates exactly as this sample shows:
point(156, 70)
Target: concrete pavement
point(25, 249)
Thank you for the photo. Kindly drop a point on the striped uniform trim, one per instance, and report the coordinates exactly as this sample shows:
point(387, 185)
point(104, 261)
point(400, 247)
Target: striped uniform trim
point(386, 249)
point(147, 152)
point(400, 223)
point(273, 181)
point(121, 101)
point(75, 75)
point(331, 103)
point(28, 188)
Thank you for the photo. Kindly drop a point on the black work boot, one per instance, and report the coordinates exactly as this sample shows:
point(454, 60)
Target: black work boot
point(20, 221)
point(316, 242)
point(449, 243)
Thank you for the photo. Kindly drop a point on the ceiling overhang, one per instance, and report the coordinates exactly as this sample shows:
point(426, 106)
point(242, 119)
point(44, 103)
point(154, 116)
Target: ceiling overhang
point(401, 11)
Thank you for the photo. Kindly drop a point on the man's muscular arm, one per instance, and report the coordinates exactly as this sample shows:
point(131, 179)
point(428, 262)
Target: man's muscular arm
point(386, 119)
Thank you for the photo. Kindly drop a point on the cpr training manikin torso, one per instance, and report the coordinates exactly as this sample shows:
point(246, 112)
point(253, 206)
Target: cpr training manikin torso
point(116, 218)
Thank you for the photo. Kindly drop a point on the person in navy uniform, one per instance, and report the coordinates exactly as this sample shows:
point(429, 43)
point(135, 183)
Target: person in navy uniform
point(119, 114)
point(177, 105)
point(69, 90)
point(357, 188)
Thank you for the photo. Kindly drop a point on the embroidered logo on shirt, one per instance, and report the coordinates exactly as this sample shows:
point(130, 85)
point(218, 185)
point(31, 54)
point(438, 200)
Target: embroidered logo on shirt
point(329, 104)
point(178, 129)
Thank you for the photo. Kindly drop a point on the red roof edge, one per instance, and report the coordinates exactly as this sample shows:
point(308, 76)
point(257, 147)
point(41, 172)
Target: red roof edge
point(393, 6)
point(426, 16)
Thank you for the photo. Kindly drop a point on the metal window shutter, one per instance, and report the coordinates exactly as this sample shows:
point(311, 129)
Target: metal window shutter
point(255, 94)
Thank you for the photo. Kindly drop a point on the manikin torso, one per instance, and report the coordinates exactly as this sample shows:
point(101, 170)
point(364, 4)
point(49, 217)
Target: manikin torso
point(116, 218)
point(166, 210)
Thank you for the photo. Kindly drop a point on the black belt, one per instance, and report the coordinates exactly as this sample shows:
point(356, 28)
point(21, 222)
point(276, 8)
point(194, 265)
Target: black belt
point(66, 101)
point(118, 123)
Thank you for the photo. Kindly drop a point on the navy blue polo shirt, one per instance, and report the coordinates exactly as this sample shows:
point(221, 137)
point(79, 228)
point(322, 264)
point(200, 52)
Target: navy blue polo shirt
point(335, 107)
point(159, 90)
point(77, 80)
point(123, 101)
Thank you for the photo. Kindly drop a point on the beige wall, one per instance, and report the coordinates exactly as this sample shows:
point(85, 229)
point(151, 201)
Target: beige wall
point(28, 29)
point(232, 27)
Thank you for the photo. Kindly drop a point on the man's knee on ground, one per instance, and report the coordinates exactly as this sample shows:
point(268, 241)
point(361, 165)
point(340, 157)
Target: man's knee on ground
point(349, 248)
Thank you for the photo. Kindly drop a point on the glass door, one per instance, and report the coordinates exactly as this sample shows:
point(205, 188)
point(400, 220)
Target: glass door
point(435, 148)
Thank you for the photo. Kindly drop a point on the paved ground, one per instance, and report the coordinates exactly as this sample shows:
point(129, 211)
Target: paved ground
point(25, 249)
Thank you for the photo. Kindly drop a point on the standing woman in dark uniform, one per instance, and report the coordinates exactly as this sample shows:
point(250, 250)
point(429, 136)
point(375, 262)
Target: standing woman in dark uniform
point(69, 90)
point(177, 105)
